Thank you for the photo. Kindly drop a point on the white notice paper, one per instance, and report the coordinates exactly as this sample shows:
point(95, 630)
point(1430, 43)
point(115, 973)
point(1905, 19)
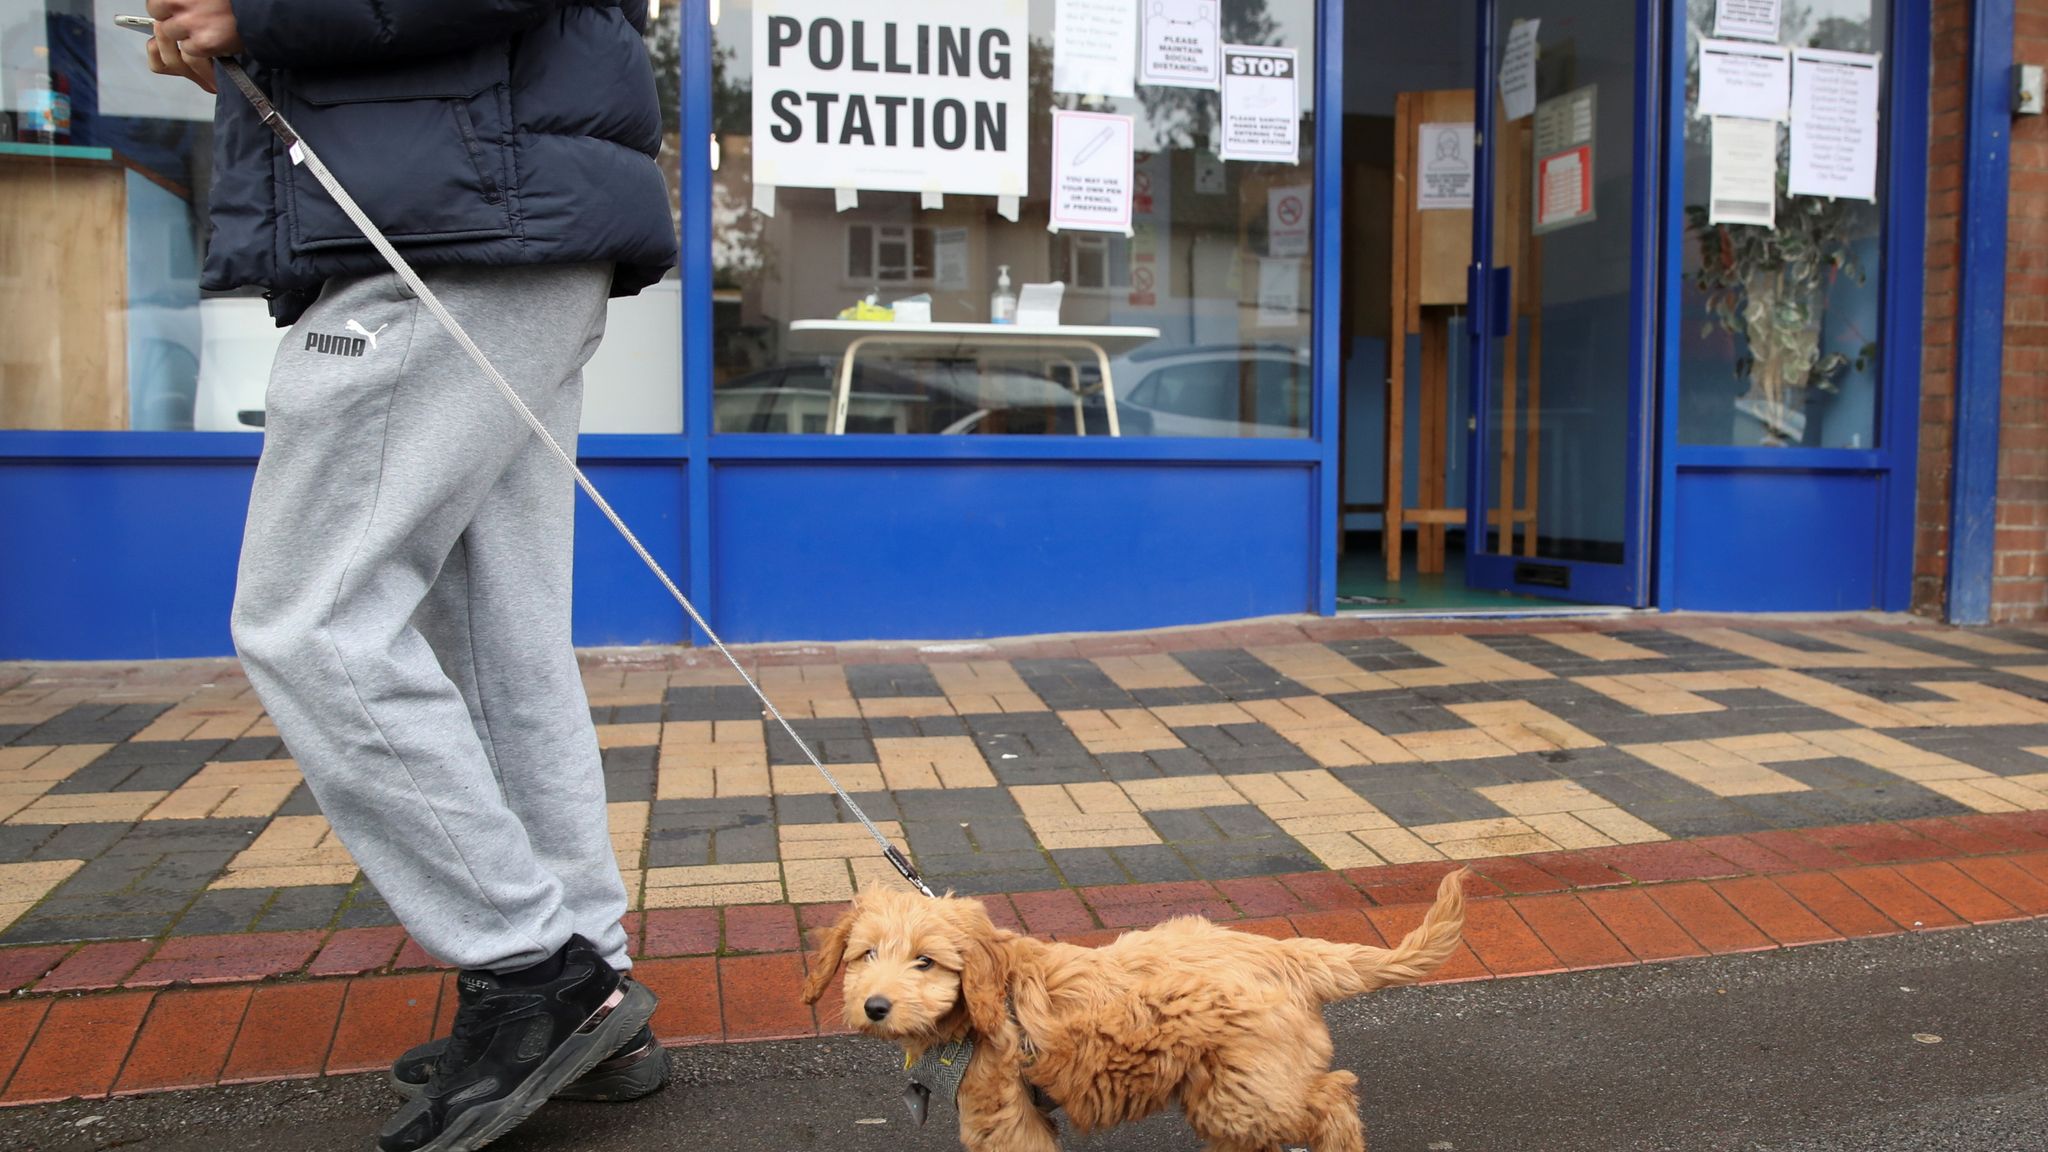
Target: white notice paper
point(949, 258)
point(1091, 171)
point(1287, 220)
point(1183, 44)
point(1563, 154)
point(1745, 173)
point(1038, 305)
point(1518, 70)
point(1094, 47)
point(1748, 80)
point(1261, 105)
point(1834, 124)
point(1749, 19)
point(1444, 152)
point(930, 96)
point(1279, 293)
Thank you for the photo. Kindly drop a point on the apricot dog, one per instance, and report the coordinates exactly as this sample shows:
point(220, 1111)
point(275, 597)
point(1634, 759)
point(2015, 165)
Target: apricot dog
point(1226, 1024)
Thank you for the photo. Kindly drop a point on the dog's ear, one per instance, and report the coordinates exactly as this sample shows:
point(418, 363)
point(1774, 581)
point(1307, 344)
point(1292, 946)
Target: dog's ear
point(985, 972)
point(831, 954)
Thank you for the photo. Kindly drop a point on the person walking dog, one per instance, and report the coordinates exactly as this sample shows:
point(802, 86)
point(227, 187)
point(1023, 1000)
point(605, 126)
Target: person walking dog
point(403, 603)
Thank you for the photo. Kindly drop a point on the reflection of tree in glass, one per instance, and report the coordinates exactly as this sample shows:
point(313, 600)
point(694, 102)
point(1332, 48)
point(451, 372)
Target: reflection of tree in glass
point(738, 252)
point(1768, 288)
point(1186, 117)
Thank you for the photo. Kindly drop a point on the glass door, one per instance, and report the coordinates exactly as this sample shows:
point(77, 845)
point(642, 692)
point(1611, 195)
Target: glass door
point(1563, 300)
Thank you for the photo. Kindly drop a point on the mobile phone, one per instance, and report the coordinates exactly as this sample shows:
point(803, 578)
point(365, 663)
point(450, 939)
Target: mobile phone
point(143, 24)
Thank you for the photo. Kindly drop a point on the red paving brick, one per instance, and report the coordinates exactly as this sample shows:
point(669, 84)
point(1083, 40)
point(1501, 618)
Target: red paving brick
point(1575, 870)
point(1143, 905)
point(1748, 854)
point(451, 1000)
point(224, 959)
point(285, 1033)
point(96, 967)
point(816, 919)
point(1664, 862)
point(79, 1049)
point(411, 955)
point(1967, 837)
point(1641, 925)
point(1323, 891)
point(2021, 834)
point(2035, 863)
point(1260, 896)
point(21, 967)
point(18, 1023)
point(1572, 933)
point(1344, 925)
point(688, 991)
point(1412, 883)
point(1059, 910)
point(760, 928)
point(2012, 883)
point(1898, 898)
point(1838, 906)
point(1958, 893)
point(760, 997)
point(1504, 943)
point(1798, 849)
point(184, 1043)
point(1774, 911)
point(1879, 843)
point(356, 950)
point(1708, 919)
point(1395, 921)
point(830, 1009)
point(1516, 876)
point(381, 1018)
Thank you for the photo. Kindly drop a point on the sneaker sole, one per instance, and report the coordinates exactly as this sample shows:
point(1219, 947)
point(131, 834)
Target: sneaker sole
point(602, 1034)
point(644, 1076)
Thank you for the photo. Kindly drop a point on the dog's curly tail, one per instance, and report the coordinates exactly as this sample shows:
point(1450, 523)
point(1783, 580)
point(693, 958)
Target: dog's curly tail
point(1338, 971)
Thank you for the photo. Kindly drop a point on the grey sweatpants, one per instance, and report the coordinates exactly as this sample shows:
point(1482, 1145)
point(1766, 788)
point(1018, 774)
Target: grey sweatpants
point(403, 606)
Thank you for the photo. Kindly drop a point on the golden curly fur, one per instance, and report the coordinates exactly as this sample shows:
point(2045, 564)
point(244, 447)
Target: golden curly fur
point(1227, 1024)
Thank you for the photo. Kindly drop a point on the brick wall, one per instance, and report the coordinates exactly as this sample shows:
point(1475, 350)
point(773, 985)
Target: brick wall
point(2020, 590)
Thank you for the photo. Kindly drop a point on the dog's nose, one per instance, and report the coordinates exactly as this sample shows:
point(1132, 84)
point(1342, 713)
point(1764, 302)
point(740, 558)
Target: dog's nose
point(877, 1007)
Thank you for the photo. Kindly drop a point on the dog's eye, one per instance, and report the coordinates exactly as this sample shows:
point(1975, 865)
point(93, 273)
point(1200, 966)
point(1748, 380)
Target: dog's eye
point(870, 957)
point(923, 963)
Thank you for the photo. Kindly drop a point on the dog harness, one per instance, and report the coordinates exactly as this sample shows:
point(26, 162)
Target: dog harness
point(939, 1070)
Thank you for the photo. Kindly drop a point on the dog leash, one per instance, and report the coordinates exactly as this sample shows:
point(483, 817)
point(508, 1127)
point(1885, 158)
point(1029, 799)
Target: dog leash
point(302, 154)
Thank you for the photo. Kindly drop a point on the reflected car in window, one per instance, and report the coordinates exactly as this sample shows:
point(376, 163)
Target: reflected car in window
point(1231, 390)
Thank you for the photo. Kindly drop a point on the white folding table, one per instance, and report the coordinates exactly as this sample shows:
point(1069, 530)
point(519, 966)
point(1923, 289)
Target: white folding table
point(847, 339)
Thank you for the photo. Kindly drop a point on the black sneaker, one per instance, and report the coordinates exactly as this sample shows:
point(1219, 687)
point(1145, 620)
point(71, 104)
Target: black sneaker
point(514, 1045)
point(639, 1069)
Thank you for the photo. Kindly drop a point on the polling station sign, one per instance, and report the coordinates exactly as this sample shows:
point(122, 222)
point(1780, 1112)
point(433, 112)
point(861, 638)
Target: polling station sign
point(931, 97)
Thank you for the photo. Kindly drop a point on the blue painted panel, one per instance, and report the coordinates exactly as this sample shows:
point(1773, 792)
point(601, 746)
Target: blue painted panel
point(895, 551)
point(1778, 541)
point(618, 601)
point(119, 561)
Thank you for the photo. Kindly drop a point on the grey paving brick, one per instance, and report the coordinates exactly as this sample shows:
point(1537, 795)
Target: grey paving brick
point(252, 748)
point(886, 680)
point(629, 773)
point(755, 844)
point(955, 804)
point(39, 929)
point(157, 766)
point(835, 741)
point(712, 702)
point(1238, 859)
point(80, 841)
point(1152, 863)
point(1070, 684)
point(93, 724)
point(1398, 713)
point(18, 842)
point(1171, 697)
point(1238, 674)
point(1184, 825)
point(12, 733)
point(155, 837)
point(678, 847)
point(300, 803)
point(1381, 654)
point(222, 911)
point(1082, 867)
point(309, 907)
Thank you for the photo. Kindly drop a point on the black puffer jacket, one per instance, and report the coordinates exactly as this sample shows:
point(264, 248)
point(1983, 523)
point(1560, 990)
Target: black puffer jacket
point(472, 131)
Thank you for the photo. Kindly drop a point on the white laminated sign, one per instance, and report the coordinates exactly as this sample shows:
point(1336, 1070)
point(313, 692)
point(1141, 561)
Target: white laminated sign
point(1261, 104)
point(930, 97)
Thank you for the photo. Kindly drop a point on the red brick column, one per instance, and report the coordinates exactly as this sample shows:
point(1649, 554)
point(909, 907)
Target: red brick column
point(1949, 48)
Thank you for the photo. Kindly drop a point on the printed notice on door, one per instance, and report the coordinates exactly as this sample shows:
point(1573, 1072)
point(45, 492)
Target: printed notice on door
point(1261, 105)
point(1443, 153)
point(1518, 70)
point(1279, 293)
point(1182, 45)
point(1748, 80)
point(1094, 47)
point(1834, 125)
point(1563, 131)
point(1745, 173)
point(1747, 19)
point(1091, 172)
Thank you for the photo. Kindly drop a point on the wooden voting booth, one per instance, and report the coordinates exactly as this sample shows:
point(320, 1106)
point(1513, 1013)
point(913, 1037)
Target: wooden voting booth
point(1432, 251)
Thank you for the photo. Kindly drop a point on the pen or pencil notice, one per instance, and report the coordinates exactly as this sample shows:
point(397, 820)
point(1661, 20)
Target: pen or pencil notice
point(1089, 149)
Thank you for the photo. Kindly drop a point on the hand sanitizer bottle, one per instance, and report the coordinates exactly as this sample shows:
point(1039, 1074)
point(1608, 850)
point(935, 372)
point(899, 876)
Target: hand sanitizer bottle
point(1002, 304)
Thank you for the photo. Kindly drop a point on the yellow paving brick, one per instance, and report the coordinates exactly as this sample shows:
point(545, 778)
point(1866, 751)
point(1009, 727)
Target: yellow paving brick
point(1398, 846)
point(627, 820)
point(1457, 744)
point(1044, 800)
point(1339, 850)
point(1173, 793)
point(817, 881)
point(1971, 641)
point(956, 760)
point(1649, 696)
point(803, 780)
point(87, 808)
point(1058, 832)
point(47, 764)
point(1300, 714)
point(291, 851)
point(875, 872)
point(1598, 646)
point(878, 707)
point(287, 876)
point(240, 789)
point(1522, 726)
point(1493, 826)
point(1119, 730)
point(1497, 846)
point(834, 841)
point(1538, 797)
point(979, 678)
point(1469, 656)
point(1971, 795)
point(228, 727)
point(27, 882)
point(677, 782)
point(981, 704)
point(1988, 703)
point(1318, 669)
point(1201, 715)
point(1567, 830)
point(2020, 793)
point(1149, 670)
point(702, 874)
point(1618, 825)
point(172, 725)
point(628, 735)
point(1349, 747)
point(709, 895)
point(1300, 822)
point(1717, 770)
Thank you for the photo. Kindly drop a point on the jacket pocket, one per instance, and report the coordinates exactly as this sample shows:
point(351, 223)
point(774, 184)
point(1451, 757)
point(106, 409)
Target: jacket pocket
point(425, 148)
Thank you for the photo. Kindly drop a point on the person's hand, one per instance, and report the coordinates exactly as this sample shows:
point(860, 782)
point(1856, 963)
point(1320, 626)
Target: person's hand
point(189, 34)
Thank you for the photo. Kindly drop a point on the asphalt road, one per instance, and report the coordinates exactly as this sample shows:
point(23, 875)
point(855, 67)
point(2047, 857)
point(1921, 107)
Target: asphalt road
point(1811, 1050)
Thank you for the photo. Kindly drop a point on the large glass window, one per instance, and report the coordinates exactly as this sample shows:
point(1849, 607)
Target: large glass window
point(1198, 315)
point(104, 175)
point(1780, 324)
